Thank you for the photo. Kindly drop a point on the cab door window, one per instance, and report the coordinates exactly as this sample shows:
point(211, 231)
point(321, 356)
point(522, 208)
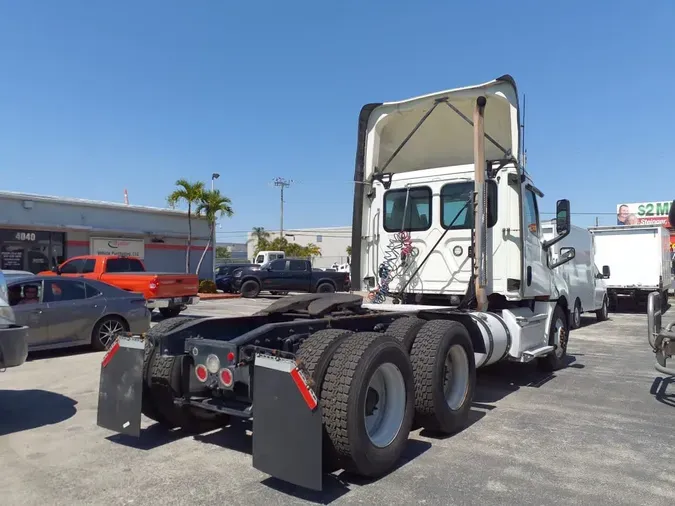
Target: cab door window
point(73, 266)
point(531, 213)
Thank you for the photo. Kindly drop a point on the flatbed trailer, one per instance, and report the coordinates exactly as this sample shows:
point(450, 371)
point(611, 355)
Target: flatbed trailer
point(331, 382)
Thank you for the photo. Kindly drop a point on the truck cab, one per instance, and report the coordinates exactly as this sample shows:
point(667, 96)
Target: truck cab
point(264, 257)
point(414, 228)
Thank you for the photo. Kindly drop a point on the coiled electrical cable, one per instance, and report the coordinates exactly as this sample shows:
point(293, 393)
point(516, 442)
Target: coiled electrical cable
point(397, 256)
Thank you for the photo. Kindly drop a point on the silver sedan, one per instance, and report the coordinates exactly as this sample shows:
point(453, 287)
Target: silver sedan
point(62, 312)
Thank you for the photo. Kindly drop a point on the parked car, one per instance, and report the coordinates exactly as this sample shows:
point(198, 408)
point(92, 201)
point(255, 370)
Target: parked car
point(288, 275)
point(12, 274)
point(168, 292)
point(13, 337)
point(63, 312)
point(223, 274)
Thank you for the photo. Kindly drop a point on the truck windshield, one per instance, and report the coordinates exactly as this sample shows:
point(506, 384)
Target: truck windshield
point(453, 200)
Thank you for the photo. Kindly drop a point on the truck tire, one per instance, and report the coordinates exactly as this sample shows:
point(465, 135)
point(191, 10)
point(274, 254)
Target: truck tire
point(405, 330)
point(602, 314)
point(315, 354)
point(170, 312)
point(148, 405)
point(444, 368)
point(250, 289)
point(560, 328)
point(314, 357)
point(367, 399)
point(575, 320)
point(325, 288)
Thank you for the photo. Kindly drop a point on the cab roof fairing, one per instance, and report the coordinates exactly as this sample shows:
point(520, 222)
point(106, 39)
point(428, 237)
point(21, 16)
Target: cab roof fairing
point(444, 138)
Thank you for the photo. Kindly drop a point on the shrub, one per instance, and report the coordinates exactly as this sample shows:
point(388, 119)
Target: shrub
point(207, 286)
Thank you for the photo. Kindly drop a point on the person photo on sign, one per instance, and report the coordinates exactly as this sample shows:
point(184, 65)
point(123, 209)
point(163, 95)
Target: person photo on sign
point(622, 215)
point(631, 219)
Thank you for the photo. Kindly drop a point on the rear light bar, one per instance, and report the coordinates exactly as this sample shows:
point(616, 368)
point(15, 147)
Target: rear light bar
point(212, 366)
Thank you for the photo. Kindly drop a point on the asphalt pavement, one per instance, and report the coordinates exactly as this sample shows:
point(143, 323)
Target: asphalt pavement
point(599, 432)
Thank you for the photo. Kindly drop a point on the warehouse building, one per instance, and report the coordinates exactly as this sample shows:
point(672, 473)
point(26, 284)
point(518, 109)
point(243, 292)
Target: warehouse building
point(37, 232)
point(333, 242)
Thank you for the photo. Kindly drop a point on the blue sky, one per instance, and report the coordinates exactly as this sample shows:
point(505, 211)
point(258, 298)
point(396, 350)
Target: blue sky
point(96, 97)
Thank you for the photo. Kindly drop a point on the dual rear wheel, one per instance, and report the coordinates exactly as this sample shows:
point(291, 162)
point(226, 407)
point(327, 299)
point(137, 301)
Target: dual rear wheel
point(373, 387)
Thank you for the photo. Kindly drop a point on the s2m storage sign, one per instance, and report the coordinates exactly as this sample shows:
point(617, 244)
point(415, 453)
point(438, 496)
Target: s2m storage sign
point(644, 213)
point(134, 248)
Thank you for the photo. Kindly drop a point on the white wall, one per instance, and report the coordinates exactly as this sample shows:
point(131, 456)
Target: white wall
point(333, 242)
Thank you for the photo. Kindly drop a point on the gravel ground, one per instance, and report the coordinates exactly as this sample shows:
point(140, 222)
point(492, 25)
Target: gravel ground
point(598, 432)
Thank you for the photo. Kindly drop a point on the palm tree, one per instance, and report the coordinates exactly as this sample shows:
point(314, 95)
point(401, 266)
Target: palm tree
point(260, 236)
point(212, 204)
point(259, 233)
point(191, 193)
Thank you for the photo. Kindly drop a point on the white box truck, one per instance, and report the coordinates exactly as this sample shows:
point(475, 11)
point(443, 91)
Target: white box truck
point(639, 260)
point(579, 282)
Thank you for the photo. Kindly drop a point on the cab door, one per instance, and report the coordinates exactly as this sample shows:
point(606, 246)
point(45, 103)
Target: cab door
point(537, 275)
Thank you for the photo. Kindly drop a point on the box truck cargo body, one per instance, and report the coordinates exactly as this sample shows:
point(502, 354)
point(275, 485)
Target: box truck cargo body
point(638, 257)
point(580, 282)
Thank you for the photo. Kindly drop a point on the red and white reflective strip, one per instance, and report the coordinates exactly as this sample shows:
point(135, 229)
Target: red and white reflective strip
point(122, 342)
point(290, 367)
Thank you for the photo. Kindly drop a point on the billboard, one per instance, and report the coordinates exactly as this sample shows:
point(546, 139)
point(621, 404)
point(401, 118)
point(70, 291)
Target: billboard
point(114, 246)
point(643, 213)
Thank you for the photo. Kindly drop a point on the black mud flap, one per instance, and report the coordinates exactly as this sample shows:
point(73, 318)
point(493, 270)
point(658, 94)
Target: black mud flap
point(287, 431)
point(121, 386)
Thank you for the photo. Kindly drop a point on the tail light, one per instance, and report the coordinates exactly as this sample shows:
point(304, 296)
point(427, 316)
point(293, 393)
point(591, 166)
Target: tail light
point(201, 372)
point(226, 377)
point(154, 284)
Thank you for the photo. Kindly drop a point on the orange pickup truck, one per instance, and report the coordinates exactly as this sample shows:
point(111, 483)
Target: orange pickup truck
point(168, 292)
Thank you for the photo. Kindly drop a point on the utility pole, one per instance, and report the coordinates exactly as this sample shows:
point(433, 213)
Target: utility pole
point(282, 183)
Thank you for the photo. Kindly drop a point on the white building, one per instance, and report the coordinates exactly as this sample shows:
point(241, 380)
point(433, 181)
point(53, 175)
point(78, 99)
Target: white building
point(38, 232)
point(333, 242)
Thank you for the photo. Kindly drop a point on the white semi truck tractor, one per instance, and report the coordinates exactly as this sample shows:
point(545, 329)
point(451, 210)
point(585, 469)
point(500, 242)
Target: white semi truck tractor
point(446, 224)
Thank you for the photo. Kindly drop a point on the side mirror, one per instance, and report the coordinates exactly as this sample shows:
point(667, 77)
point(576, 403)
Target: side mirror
point(563, 221)
point(605, 271)
point(566, 254)
point(563, 225)
point(57, 270)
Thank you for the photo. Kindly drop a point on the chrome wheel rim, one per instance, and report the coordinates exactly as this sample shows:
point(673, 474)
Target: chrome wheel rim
point(577, 317)
point(559, 338)
point(384, 407)
point(109, 331)
point(456, 380)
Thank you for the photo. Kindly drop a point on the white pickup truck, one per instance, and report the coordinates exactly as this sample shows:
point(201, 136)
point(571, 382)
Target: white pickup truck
point(13, 338)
